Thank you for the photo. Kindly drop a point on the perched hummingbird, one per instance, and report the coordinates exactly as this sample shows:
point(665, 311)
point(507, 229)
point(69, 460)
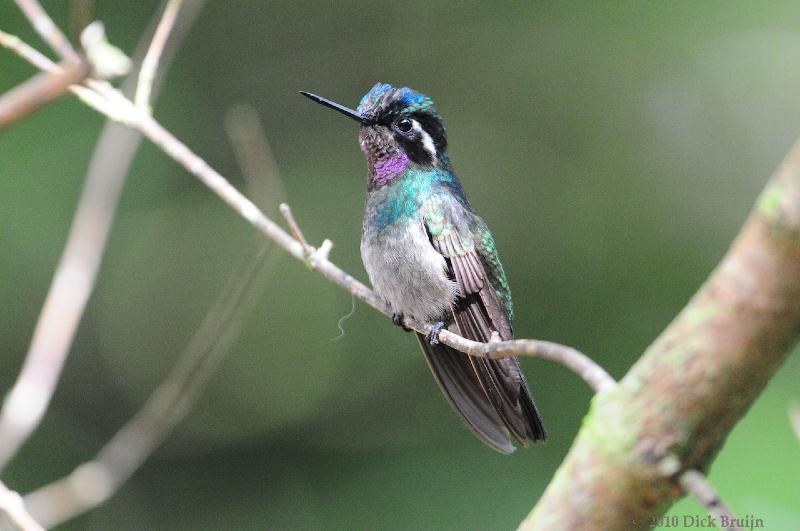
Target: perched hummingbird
point(430, 257)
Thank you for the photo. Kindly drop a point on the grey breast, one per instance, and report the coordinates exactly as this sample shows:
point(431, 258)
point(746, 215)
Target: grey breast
point(404, 269)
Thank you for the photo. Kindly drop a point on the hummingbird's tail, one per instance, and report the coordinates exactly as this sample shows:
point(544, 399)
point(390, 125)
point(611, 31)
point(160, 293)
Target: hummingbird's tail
point(456, 378)
point(503, 385)
point(490, 396)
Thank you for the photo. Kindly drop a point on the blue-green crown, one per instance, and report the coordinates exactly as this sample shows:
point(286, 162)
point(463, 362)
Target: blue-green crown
point(385, 101)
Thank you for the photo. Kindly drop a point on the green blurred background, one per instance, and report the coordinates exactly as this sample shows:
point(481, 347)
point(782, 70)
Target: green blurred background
point(614, 150)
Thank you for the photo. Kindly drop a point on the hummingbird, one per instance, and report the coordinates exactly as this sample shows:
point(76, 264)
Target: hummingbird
point(430, 257)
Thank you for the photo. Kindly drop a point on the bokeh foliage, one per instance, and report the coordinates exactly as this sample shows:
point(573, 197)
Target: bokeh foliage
point(614, 149)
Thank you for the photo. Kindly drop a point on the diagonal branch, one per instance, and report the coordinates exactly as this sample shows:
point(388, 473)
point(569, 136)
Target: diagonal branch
point(38, 91)
point(12, 507)
point(47, 29)
point(692, 385)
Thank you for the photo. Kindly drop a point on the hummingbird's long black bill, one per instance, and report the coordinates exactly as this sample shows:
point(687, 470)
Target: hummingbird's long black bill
point(355, 115)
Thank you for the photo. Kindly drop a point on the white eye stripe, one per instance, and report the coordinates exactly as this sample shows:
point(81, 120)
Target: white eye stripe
point(427, 141)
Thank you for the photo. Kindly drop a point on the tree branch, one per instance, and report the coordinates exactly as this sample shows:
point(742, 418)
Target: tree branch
point(47, 29)
point(147, 72)
point(286, 212)
point(692, 385)
point(12, 507)
point(38, 91)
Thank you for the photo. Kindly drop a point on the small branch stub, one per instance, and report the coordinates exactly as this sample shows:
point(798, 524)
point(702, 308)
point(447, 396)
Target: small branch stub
point(286, 212)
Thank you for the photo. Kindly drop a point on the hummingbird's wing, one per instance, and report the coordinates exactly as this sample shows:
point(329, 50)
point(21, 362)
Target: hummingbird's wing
point(484, 306)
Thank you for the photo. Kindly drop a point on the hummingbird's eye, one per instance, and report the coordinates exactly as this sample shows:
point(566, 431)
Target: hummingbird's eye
point(404, 125)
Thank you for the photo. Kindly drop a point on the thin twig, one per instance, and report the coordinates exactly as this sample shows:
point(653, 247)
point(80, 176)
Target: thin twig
point(47, 29)
point(581, 364)
point(75, 275)
point(26, 51)
point(286, 212)
point(147, 72)
point(38, 91)
point(696, 484)
point(12, 507)
point(323, 251)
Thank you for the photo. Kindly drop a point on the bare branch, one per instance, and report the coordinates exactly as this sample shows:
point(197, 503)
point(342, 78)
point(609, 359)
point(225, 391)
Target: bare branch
point(38, 91)
point(27, 401)
point(37, 59)
point(578, 362)
point(147, 72)
point(47, 29)
point(27, 52)
point(286, 211)
point(12, 507)
point(696, 484)
point(697, 379)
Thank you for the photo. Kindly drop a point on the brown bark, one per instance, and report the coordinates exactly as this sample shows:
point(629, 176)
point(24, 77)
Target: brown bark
point(40, 90)
point(677, 404)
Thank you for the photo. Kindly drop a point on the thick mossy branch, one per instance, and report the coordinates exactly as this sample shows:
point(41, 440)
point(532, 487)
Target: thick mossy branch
point(682, 398)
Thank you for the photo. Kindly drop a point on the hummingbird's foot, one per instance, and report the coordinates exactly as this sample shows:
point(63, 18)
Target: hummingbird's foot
point(433, 336)
point(397, 318)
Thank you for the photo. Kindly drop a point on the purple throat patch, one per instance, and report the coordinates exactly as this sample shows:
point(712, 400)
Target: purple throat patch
point(385, 170)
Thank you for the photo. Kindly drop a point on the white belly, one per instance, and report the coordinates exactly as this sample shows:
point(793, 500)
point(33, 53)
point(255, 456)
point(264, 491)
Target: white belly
point(407, 272)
